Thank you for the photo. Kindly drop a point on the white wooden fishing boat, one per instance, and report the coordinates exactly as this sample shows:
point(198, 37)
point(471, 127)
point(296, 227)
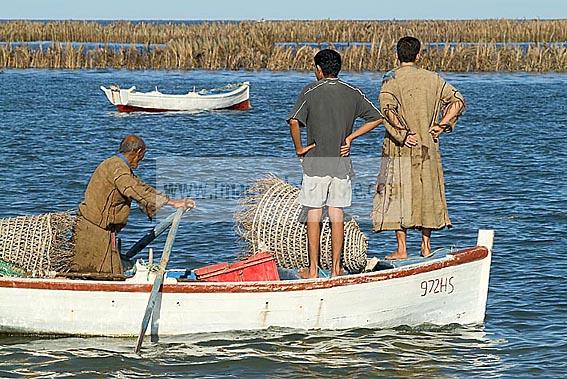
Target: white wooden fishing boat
point(234, 96)
point(444, 290)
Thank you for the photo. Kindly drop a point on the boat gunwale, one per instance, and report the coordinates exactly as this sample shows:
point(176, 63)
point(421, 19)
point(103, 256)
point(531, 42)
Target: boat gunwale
point(454, 259)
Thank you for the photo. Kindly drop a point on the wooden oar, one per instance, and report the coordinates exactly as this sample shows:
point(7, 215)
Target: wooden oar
point(148, 237)
point(159, 277)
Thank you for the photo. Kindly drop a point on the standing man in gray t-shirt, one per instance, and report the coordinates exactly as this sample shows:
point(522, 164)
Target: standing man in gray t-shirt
point(328, 109)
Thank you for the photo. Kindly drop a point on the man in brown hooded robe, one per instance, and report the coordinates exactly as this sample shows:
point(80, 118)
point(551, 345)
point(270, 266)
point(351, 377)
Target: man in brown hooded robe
point(418, 106)
point(105, 208)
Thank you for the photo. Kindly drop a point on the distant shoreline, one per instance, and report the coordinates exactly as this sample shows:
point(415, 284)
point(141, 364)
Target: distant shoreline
point(451, 46)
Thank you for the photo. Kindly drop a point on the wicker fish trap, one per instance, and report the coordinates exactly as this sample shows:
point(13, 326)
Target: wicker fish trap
point(269, 219)
point(38, 244)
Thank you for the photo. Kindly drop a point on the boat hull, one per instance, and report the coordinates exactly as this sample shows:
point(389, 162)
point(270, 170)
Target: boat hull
point(128, 100)
point(444, 291)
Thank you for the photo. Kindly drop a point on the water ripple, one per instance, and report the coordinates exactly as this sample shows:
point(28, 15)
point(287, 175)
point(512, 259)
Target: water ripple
point(504, 170)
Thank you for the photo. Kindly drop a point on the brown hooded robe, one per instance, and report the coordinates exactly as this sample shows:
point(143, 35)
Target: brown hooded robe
point(410, 191)
point(104, 212)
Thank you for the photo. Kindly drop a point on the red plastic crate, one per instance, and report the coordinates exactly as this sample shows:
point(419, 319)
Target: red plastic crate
point(259, 267)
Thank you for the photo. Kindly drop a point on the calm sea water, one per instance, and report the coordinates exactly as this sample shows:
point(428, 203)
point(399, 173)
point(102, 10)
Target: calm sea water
point(505, 169)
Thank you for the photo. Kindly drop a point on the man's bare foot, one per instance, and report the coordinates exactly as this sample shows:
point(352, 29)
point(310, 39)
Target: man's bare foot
point(339, 272)
point(396, 255)
point(425, 251)
point(305, 273)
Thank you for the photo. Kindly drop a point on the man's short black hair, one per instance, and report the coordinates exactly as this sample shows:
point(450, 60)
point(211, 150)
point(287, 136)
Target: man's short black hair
point(408, 48)
point(329, 61)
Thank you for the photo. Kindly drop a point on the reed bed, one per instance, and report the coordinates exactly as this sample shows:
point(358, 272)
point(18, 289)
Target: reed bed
point(187, 55)
point(254, 45)
point(290, 31)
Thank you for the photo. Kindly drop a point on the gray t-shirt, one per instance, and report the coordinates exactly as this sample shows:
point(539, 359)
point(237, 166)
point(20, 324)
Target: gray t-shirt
point(328, 108)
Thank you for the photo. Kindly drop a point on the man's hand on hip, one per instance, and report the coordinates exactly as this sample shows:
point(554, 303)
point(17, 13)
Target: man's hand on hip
point(304, 150)
point(345, 149)
point(436, 131)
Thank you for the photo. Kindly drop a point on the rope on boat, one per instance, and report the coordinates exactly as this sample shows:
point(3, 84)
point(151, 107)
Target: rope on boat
point(442, 251)
point(446, 250)
point(270, 219)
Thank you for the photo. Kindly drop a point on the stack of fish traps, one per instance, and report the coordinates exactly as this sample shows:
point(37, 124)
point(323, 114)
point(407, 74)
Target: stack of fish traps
point(39, 244)
point(271, 219)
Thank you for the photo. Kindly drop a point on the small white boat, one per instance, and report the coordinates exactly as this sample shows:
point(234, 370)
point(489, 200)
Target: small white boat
point(232, 96)
point(445, 290)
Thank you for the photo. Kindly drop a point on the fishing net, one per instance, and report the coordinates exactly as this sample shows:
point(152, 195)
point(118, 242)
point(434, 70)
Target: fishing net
point(6, 269)
point(270, 220)
point(38, 244)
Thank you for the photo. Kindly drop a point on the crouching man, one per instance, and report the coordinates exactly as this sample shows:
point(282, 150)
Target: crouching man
point(106, 206)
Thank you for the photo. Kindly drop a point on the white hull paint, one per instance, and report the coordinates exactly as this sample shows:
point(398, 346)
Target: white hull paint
point(452, 289)
point(129, 100)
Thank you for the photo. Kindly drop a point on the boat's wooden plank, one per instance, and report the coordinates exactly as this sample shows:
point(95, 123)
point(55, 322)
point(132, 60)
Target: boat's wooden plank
point(91, 276)
point(455, 259)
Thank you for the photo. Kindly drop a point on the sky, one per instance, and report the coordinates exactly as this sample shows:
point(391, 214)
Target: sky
point(279, 9)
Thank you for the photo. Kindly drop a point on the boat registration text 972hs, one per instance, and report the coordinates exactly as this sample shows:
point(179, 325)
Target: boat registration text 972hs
point(438, 285)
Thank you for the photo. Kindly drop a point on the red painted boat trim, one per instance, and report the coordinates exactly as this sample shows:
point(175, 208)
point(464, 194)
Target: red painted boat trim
point(459, 258)
point(242, 106)
point(130, 109)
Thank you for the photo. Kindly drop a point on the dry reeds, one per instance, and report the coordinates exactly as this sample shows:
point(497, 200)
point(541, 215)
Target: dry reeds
point(257, 45)
point(179, 56)
point(289, 31)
